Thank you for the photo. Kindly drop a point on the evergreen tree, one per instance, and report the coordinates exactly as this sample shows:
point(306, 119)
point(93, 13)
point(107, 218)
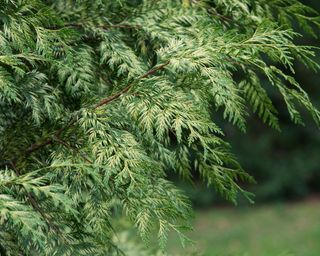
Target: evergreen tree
point(100, 99)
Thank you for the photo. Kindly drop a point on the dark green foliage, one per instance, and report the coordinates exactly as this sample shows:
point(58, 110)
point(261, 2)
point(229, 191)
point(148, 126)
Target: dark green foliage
point(99, 99)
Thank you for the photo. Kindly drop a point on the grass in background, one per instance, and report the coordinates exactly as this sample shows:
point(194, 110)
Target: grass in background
point(273, 230)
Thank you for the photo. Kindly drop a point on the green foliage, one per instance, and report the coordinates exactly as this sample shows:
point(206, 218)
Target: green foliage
point(100, 99)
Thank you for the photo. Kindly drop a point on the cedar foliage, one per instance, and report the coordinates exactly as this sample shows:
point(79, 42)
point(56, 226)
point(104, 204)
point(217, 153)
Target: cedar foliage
point(100, 99)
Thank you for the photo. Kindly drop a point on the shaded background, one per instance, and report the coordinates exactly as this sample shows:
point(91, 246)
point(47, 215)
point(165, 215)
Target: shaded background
point(285, 220)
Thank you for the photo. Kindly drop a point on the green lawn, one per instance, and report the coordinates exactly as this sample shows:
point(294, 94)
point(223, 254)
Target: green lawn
point(280, 230)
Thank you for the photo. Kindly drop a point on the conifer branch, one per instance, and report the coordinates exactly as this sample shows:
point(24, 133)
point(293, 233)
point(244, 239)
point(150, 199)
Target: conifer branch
point(45, 73)
point(49, 140)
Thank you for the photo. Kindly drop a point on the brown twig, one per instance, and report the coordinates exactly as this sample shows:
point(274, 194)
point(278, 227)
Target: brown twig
point(223, 17)
point(73, 149)
point(106, 27)
point(36, 146)
point(127, 88)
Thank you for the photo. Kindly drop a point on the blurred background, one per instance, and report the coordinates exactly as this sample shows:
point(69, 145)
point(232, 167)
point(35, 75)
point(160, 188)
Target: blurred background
point(285, 219)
